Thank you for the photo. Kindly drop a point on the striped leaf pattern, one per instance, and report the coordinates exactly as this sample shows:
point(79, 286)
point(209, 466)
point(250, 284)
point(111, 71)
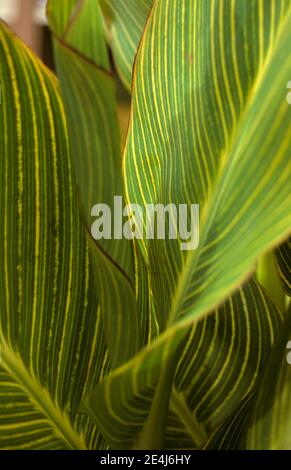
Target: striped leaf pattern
point(209, 125)
point(51, 331)
point(221, 362)
point(227, 214)
point(127, 19)
point(283, 262)
point(91, 110)
point(225, 354)
point(89, 99)
point(177, 346)
point(269, 423)
point(60, 18)
point(227, 436)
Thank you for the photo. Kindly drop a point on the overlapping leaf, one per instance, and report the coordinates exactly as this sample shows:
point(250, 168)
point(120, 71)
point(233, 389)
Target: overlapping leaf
point(60, 18)
point(127, 19)
point(51, 333)
point(283, 258)
point(209, 125)
point(227, 436)
point(217, 176)
point(89, 97)
point(269, 425)
point(225, 354)
point(221, 362)
point(267, 275)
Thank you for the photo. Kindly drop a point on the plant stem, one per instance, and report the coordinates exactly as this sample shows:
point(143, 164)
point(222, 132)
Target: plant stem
point(152, 435)
point(268, 277)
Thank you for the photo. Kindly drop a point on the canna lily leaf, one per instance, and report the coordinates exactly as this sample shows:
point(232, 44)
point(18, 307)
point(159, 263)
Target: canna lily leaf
point(219, 366)
point(89, 98)
point(211, 126)
point(51, 331)
point(223, 232)
point(283, 262)
point(127, 19)
point(225, 354)
point(91, 111)
point(60, 18)
point(227, 436)
point(223, 359)
point(269, 424)
point(189, 364)
point(80, 26)
point(267, 275)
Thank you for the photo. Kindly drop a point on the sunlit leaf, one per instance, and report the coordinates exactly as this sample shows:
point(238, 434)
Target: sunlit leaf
point(211, 126)
point(88, 91)
point(283, 257)
point(127, 19)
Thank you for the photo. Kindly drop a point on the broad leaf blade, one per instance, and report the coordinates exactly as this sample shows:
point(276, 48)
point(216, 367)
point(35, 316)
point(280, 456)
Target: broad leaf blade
point(269, 425)
point(220, 364)
point(244, 179)
point(85, 33)
point(225, 354)
point(283, 259)
point(89, 98)
point(126, 25)
point(61, 17)
point(198, 135)
point(51, 330)
point(227, 436)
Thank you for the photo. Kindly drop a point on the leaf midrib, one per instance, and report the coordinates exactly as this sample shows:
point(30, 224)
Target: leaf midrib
point(211, 205)
point(40, 398)
point(193, 427)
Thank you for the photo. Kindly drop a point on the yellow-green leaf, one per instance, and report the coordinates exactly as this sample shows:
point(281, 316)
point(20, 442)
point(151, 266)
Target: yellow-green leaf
point(88, 91)
point(210, 125)
point(51, 332)
point(268, 427)
point(283, 261)
point(127, 19)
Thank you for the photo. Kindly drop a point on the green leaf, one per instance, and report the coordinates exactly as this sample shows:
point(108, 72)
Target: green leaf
point(80, 25)
point(225, 354)
point(88, 92)
point(61, 18)
point(227, 436)
point(210, 125)
point(127, 19)
point(172, 166)
point(269, 425)
point(91, 111)
point(220, 364)
point(268, 277)
point(187, 417)
point(118, 306)
point(51, 332)
point(283, 263)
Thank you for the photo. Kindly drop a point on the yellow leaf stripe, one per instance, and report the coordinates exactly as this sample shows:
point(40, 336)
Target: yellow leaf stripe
point(283, 262)
point(51, 331)
point(89, 98)
point(210, 125)
point(223, 357)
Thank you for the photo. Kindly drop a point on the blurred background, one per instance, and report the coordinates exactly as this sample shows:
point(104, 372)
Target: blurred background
point(27, 18)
